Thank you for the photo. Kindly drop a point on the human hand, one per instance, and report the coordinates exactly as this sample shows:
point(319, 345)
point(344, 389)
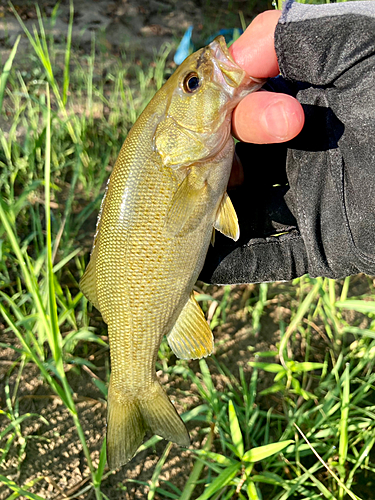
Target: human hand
point(265, 120)
point(304, 205)
point(263, 117)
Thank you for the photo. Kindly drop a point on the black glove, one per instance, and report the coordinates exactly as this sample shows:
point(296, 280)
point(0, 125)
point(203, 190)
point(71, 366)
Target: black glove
point(308, 206)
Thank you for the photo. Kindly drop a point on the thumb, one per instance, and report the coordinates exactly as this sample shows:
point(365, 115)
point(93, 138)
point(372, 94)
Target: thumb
point(267, 117)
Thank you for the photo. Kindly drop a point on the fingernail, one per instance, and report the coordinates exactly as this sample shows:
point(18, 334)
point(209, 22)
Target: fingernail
point(276, 120)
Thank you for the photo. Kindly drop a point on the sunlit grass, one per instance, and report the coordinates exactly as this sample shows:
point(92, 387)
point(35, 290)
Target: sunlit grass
point(309, 434)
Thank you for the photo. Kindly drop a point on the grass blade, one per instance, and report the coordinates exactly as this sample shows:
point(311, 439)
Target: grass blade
point(17, 489)
point(197, 470)
point(6, 70)
point(155, 476)
point(235, 430)
point(66, 78)
point(101, 465)
point(54, 322)
point(344, 422)
point(303, 308)
point(357, 305)
point(262, 452)
point(222, 480)
point(340, 483)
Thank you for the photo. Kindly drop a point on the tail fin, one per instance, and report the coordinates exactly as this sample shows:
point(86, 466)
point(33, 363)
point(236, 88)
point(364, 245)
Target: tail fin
point(130, 414)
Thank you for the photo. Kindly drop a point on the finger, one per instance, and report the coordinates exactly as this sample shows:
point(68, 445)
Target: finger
point(255, 51)
point(267, 117)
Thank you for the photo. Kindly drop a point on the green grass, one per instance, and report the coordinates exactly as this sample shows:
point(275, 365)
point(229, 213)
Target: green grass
point(309, 432)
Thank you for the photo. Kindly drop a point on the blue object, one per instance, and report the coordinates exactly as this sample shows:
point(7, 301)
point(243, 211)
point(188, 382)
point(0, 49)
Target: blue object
point(185, 47)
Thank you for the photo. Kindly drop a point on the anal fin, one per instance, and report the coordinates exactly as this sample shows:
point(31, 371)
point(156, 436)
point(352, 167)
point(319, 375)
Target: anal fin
point(226, 219)
point(191, 337)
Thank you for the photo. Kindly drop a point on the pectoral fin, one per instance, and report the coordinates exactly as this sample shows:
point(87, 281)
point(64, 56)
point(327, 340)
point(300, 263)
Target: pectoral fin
point(191, 337)
point(183, 204)
point(226, 219)
point(213, 237)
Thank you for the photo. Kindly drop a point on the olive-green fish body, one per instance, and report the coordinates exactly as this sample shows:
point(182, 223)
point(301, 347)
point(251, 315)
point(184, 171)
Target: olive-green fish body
point(165, 195)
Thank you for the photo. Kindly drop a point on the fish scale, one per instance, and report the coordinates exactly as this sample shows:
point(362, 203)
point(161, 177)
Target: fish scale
point(166, 194)
point(146, 246)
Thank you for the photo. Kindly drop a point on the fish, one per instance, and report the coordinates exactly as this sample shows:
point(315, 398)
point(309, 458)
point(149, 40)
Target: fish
point(163, 201)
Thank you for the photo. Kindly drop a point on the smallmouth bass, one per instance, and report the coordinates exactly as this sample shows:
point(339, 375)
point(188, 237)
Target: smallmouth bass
point(165, 197)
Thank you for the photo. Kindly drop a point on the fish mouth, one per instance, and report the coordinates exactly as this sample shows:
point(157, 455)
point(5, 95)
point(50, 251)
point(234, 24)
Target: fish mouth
point(220, 51)
point(231, 77)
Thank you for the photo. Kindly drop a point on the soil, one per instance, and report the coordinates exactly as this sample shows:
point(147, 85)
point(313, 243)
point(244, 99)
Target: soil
point(53, 451)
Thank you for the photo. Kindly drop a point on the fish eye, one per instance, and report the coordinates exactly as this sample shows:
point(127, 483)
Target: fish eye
point(191, 82)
